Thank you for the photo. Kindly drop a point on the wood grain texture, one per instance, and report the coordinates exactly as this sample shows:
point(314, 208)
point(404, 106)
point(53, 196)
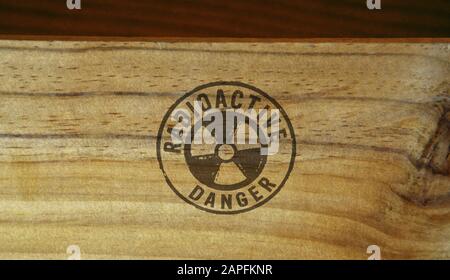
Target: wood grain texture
point(227, 19)
point(78, 127)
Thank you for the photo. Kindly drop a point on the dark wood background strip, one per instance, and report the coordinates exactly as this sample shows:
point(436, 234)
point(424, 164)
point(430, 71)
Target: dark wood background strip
point(227, 19)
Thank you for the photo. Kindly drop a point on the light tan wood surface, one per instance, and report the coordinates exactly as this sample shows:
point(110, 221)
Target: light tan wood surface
point(78, 128)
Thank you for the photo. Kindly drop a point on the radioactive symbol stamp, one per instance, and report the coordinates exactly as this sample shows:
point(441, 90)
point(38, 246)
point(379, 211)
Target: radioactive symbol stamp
point(226, 147)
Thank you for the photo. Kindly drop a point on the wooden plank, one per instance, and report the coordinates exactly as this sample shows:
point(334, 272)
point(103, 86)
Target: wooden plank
point(227, 19)
point(78, 132)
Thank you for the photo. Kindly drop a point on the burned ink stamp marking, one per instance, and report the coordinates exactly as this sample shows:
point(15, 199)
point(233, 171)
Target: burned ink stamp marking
point(226, 147)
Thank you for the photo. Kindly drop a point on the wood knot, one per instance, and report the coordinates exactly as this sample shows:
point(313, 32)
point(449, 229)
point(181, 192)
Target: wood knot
point(436, 154)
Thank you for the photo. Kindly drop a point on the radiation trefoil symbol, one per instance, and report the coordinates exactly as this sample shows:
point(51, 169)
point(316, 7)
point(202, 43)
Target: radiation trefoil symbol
point(226, 147)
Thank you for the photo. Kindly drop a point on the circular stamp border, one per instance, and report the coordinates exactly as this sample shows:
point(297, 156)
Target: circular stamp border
point(225, 83)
